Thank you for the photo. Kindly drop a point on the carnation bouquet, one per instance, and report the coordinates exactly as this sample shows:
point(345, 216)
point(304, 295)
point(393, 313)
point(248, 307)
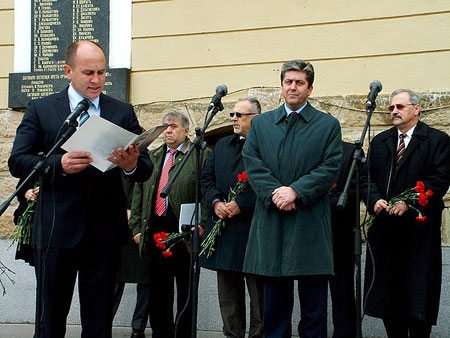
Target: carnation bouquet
point(209, 241)
point(165, 241)
point(409, 196)
point(22, 234)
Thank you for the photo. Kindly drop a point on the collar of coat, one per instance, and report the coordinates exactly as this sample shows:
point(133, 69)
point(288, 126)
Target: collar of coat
point(390, 136)
point(420, 133)
point(306, 114)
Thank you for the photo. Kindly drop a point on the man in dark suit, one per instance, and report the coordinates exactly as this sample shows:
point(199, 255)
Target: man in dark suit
point(404, 269)
point(83, 216)
point(218, 177)
point(343, 225)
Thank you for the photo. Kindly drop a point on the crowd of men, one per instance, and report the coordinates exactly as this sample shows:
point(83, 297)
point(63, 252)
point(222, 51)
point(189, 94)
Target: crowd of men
point(281, 229)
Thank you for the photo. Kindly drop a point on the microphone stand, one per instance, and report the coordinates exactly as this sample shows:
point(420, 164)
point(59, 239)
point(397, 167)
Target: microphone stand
point(355, 169)
point(42, 168)
point(199, 146)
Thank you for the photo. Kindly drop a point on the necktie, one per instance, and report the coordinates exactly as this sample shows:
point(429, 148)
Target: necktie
point(83, 118)
point(400, 149)
point(160, 205)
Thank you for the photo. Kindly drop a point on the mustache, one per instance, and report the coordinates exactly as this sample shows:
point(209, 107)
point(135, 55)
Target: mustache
point(396, 115)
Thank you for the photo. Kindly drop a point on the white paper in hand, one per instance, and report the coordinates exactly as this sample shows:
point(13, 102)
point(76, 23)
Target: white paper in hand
point(99, 137)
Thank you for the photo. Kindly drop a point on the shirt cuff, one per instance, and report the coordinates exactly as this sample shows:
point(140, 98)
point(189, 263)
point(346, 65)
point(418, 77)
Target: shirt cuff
point(129, 172)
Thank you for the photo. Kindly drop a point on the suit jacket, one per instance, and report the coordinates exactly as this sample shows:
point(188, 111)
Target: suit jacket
point(303, 152)
point(406, 254)
point(344, 221)
point(218, 176)
point(88, 205)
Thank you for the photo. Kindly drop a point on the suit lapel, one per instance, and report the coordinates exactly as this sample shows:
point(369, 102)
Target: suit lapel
point(105, 108)
point(62, 106)
point(417, 137)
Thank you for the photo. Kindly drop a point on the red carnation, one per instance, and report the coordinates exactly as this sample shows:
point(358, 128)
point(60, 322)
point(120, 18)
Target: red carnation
point(420, 187)
point(422, 199)
point(421, 218)
point(242, 177)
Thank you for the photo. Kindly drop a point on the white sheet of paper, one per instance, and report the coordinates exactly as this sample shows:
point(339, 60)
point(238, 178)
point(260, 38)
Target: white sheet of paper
point(187, 215)
point(99, 137)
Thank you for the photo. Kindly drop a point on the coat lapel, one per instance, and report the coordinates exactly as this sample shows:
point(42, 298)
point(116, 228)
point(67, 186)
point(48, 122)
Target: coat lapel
point(417, 137)
point(62, 106)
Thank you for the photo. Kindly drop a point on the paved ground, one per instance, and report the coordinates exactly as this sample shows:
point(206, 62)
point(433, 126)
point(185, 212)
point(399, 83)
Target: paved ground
point(27, 330)
point(17, 306)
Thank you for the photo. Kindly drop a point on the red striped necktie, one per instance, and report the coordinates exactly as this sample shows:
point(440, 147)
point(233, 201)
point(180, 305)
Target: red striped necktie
point(401, 149)
point(160, 205)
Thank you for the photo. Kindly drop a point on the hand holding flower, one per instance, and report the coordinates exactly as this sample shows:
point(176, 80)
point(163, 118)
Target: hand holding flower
point(224, 210)
point(398, 205)
point(221, 210)
point(234, 209)
point(398, 208)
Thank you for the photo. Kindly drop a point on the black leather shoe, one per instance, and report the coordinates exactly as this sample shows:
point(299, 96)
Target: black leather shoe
point(138, 335)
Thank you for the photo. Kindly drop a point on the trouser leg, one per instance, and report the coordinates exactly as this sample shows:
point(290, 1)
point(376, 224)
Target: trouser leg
point(231, 291)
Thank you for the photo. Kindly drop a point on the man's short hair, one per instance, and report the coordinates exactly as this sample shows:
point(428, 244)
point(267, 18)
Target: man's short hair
point(179, 116)
point(300, 65)
point(255, 105)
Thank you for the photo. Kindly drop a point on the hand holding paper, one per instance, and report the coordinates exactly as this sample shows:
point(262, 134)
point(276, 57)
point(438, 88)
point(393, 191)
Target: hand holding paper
point(99, 137)
point(125, 158)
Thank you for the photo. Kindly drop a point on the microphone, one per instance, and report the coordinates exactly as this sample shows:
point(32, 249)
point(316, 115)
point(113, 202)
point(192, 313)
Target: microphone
point(221, 91)
point(375, 87)
point(81, 107)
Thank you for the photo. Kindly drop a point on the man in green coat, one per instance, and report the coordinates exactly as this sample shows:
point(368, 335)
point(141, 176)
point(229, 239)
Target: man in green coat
point(292, 156)
point(148, 219)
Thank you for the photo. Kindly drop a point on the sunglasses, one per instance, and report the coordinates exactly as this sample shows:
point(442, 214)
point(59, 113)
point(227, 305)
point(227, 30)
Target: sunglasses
point(399, 106)
point(240, 114)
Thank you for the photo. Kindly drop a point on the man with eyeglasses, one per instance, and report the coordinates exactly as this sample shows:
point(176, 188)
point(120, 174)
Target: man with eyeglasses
point(218, 177)
point(292, 156)
point(404, 269)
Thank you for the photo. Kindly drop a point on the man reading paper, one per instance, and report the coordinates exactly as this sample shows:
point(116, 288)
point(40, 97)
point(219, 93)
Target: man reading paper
point(84, 220)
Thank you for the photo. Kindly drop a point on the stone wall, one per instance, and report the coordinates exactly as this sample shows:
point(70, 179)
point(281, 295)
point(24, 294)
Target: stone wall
point(349, 110)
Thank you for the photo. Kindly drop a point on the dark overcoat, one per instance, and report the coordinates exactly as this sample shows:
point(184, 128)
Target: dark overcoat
point(344, 220)
point(218, 176)
point(404, 263)
point(303, 152)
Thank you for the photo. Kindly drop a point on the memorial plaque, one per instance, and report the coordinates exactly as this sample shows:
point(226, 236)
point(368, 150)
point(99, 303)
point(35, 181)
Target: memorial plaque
point(54, 26)
point(24, 87)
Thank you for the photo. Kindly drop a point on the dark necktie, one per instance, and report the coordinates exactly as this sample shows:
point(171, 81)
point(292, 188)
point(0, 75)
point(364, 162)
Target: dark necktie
point(160, 205)
point(401, 149)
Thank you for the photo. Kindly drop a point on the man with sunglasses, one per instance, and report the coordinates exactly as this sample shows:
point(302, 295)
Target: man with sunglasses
point(292, 156)
point(218, 177)
point(404, 269)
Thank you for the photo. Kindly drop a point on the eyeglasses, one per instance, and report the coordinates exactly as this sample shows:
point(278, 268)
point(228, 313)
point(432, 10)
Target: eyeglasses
point(240, 114)
point(399, 106)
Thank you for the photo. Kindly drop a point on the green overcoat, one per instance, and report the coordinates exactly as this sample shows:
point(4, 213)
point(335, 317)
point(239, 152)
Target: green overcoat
point(182, 191)
point(303, 152)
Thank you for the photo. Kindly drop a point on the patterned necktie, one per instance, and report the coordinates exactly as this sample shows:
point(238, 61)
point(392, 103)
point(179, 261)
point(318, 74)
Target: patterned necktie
point(400, 149)
point(160, 205)
point(85, 115)
point(83, 118)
